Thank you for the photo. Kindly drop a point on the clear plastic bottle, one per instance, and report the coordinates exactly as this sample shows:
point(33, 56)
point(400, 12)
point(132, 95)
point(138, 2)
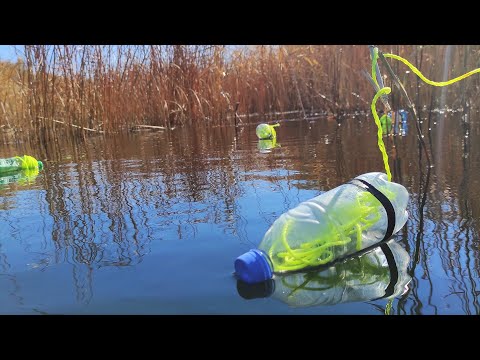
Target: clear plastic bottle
point(16, 163)
point(380, 273)
point(335, 224)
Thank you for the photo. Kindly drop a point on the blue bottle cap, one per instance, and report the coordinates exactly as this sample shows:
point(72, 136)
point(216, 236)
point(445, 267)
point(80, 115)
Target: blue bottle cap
point(253, 267)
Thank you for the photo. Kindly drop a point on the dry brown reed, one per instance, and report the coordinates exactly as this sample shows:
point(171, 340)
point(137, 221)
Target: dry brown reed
point(53, 90)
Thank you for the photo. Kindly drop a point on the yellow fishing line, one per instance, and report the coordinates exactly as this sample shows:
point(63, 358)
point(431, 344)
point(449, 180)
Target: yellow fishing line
point(28, 162)
point(320, 250)
point(430, 82)
point(381, 145)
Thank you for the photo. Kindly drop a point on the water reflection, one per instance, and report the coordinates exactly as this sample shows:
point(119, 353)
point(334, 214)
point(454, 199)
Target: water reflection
point(377, 274)
point(13, 182)
point(21, 177)
point(112, 210)
point(266, 146)
point(106, 206)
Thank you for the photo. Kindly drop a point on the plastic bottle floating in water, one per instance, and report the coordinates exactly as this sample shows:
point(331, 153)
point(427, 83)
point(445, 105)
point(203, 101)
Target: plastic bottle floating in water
point(333, 225)
point(380, 273)
point(16, 163)
point(266, 131)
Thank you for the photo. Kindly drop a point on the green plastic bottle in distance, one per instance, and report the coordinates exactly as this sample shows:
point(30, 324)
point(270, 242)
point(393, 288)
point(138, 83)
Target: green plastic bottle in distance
point(16, 163)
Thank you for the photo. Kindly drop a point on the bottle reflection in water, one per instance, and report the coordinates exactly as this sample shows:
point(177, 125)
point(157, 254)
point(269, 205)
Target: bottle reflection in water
point(21, 177)
point(266, 146)
point(380, 273)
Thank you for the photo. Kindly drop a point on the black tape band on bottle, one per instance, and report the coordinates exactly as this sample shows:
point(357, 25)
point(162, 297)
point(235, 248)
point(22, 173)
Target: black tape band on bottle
point(383, 200)
point(393, 270)
point(392, 266)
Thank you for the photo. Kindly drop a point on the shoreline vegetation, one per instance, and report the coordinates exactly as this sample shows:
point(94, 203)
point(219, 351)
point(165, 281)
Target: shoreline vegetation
point(54, 91)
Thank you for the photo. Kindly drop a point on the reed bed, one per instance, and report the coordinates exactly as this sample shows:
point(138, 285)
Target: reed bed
point(58, 90)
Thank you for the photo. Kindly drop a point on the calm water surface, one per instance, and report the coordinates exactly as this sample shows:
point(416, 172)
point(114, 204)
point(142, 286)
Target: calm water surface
point(151, 223)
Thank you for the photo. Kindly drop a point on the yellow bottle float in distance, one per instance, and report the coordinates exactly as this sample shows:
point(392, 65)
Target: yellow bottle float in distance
point(266, 131)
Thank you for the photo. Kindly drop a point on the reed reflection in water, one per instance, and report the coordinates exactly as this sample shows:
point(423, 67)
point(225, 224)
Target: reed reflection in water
point(151, 222)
